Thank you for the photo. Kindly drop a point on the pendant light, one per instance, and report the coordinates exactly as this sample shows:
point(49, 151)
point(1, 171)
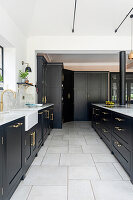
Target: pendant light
point(28, 68)
point(130, 56)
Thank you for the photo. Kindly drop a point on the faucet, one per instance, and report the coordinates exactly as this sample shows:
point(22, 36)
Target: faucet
point(1, 103)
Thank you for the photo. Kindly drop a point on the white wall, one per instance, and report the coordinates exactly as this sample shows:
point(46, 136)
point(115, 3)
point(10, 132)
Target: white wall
point(72, 43)
point(14, 42)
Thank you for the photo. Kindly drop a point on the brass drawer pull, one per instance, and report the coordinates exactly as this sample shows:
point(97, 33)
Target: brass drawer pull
point(96, 109)
point(119, 119)
point(97, 114)
point(97, 123)
point(118, 144)
point(105, 113)
point(40, 113)
point(33, 138)
point(47, 111)
point(105, 120)
point(52, 117)
point(119, 129)
point(16, 125)
point(104, 130)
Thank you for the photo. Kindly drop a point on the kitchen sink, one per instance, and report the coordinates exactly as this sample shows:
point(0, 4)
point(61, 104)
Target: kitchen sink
point(31, 117)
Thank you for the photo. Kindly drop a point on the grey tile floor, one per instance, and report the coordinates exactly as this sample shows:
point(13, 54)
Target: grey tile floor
point(75, 164)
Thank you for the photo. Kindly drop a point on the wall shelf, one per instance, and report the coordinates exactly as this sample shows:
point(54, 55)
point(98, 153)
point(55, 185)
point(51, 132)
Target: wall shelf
point(26, 85)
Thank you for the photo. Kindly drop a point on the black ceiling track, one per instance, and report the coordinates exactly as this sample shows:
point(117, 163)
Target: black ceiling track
point(123, 20)
point(74, 15)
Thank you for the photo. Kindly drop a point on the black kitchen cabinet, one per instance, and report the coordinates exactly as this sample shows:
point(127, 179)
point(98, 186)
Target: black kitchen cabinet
point(89, 87)
point(12, 156)
point(116, 131)
point(31, 148)
point(68, 96)
point(54, 90)
point(1, 159)
point(41, 73)
point(80, 96)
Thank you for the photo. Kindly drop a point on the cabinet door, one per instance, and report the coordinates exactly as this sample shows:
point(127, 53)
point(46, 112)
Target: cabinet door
point(1, 161)
point(13, 156)
point(68, 96)
point(54, 91)
point(28, 152)
point(39, 129)
point(80, 96)
point(41, 64)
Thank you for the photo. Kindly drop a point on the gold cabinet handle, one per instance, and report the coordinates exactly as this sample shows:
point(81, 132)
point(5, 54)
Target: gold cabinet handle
point(119, 129)
point(40, 113)
point(105, 113)
point(97, 114)
point(52, 117)
point(104, 130)
point(97, 123)
point(119, 119)
point(16, 125)
point(45, 99)
point(96, 109)
point(33, 138)
point(105, 120)
point(118, 144)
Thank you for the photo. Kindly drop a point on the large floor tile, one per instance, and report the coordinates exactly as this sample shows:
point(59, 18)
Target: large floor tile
point(48, 193)
point(58, 143)
point(107, 171)
point(86, 173)
point(104, 158)
point(21, 192)
point(38, 160)
point(80, 190)
point(121, 171)
point(51, 159)
point(101, 149)
point(112, 190)
point(76, 160)
point(77, 141)
point(41, 175)
point(75, 149)
point(57, 149)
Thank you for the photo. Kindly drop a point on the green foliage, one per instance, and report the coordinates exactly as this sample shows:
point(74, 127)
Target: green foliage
point(1, 78)
point(23, 75)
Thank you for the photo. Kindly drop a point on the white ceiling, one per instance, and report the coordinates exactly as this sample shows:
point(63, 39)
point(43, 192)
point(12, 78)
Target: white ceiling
point(54, 17)
point(84, 58)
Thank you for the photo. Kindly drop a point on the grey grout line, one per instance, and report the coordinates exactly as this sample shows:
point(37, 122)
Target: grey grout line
point(59, 160)
point(29, 192)
point(67, 183)
point(118, 171)
point(44, 156)
point(92, 190)
point(96, 167)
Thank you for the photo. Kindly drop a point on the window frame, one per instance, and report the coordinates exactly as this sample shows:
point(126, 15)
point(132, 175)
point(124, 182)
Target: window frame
point(2, 69)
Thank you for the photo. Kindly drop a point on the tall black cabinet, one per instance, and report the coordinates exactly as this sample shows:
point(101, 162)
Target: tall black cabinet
point(68, 95)
point(89, 87)
point(54, 90)
point(49, 87)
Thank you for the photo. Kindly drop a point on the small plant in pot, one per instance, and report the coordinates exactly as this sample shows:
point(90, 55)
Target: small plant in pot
point(23, 76)
point(1, 79)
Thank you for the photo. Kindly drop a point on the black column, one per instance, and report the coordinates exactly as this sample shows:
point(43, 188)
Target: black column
point(122, 60)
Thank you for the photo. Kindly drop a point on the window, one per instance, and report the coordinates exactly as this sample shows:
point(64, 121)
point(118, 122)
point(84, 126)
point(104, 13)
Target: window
point(1, 64)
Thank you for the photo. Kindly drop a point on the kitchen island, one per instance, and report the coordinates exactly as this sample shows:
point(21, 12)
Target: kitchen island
point(114, 125)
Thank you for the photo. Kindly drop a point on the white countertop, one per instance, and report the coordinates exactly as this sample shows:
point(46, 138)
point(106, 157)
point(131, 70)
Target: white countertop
point(8, 116)
point(125, 110)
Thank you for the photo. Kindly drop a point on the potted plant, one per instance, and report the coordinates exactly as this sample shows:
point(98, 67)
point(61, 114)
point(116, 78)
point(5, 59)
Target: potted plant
point(1, 79)
point(23, 76)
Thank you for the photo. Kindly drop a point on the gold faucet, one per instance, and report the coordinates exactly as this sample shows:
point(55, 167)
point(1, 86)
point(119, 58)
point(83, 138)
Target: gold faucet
point(1, 103)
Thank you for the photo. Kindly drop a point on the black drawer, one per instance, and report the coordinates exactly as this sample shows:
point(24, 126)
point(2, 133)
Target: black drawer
point(106, 136)
point(122, 154)
point(122, 128)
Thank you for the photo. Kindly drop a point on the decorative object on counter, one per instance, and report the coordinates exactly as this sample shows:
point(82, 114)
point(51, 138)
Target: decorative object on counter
point(130, 56)
point(109, 103)
point(28, 68)
point(23, 76)
point(8, 90)
point(33, 105)
point(1, 79)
